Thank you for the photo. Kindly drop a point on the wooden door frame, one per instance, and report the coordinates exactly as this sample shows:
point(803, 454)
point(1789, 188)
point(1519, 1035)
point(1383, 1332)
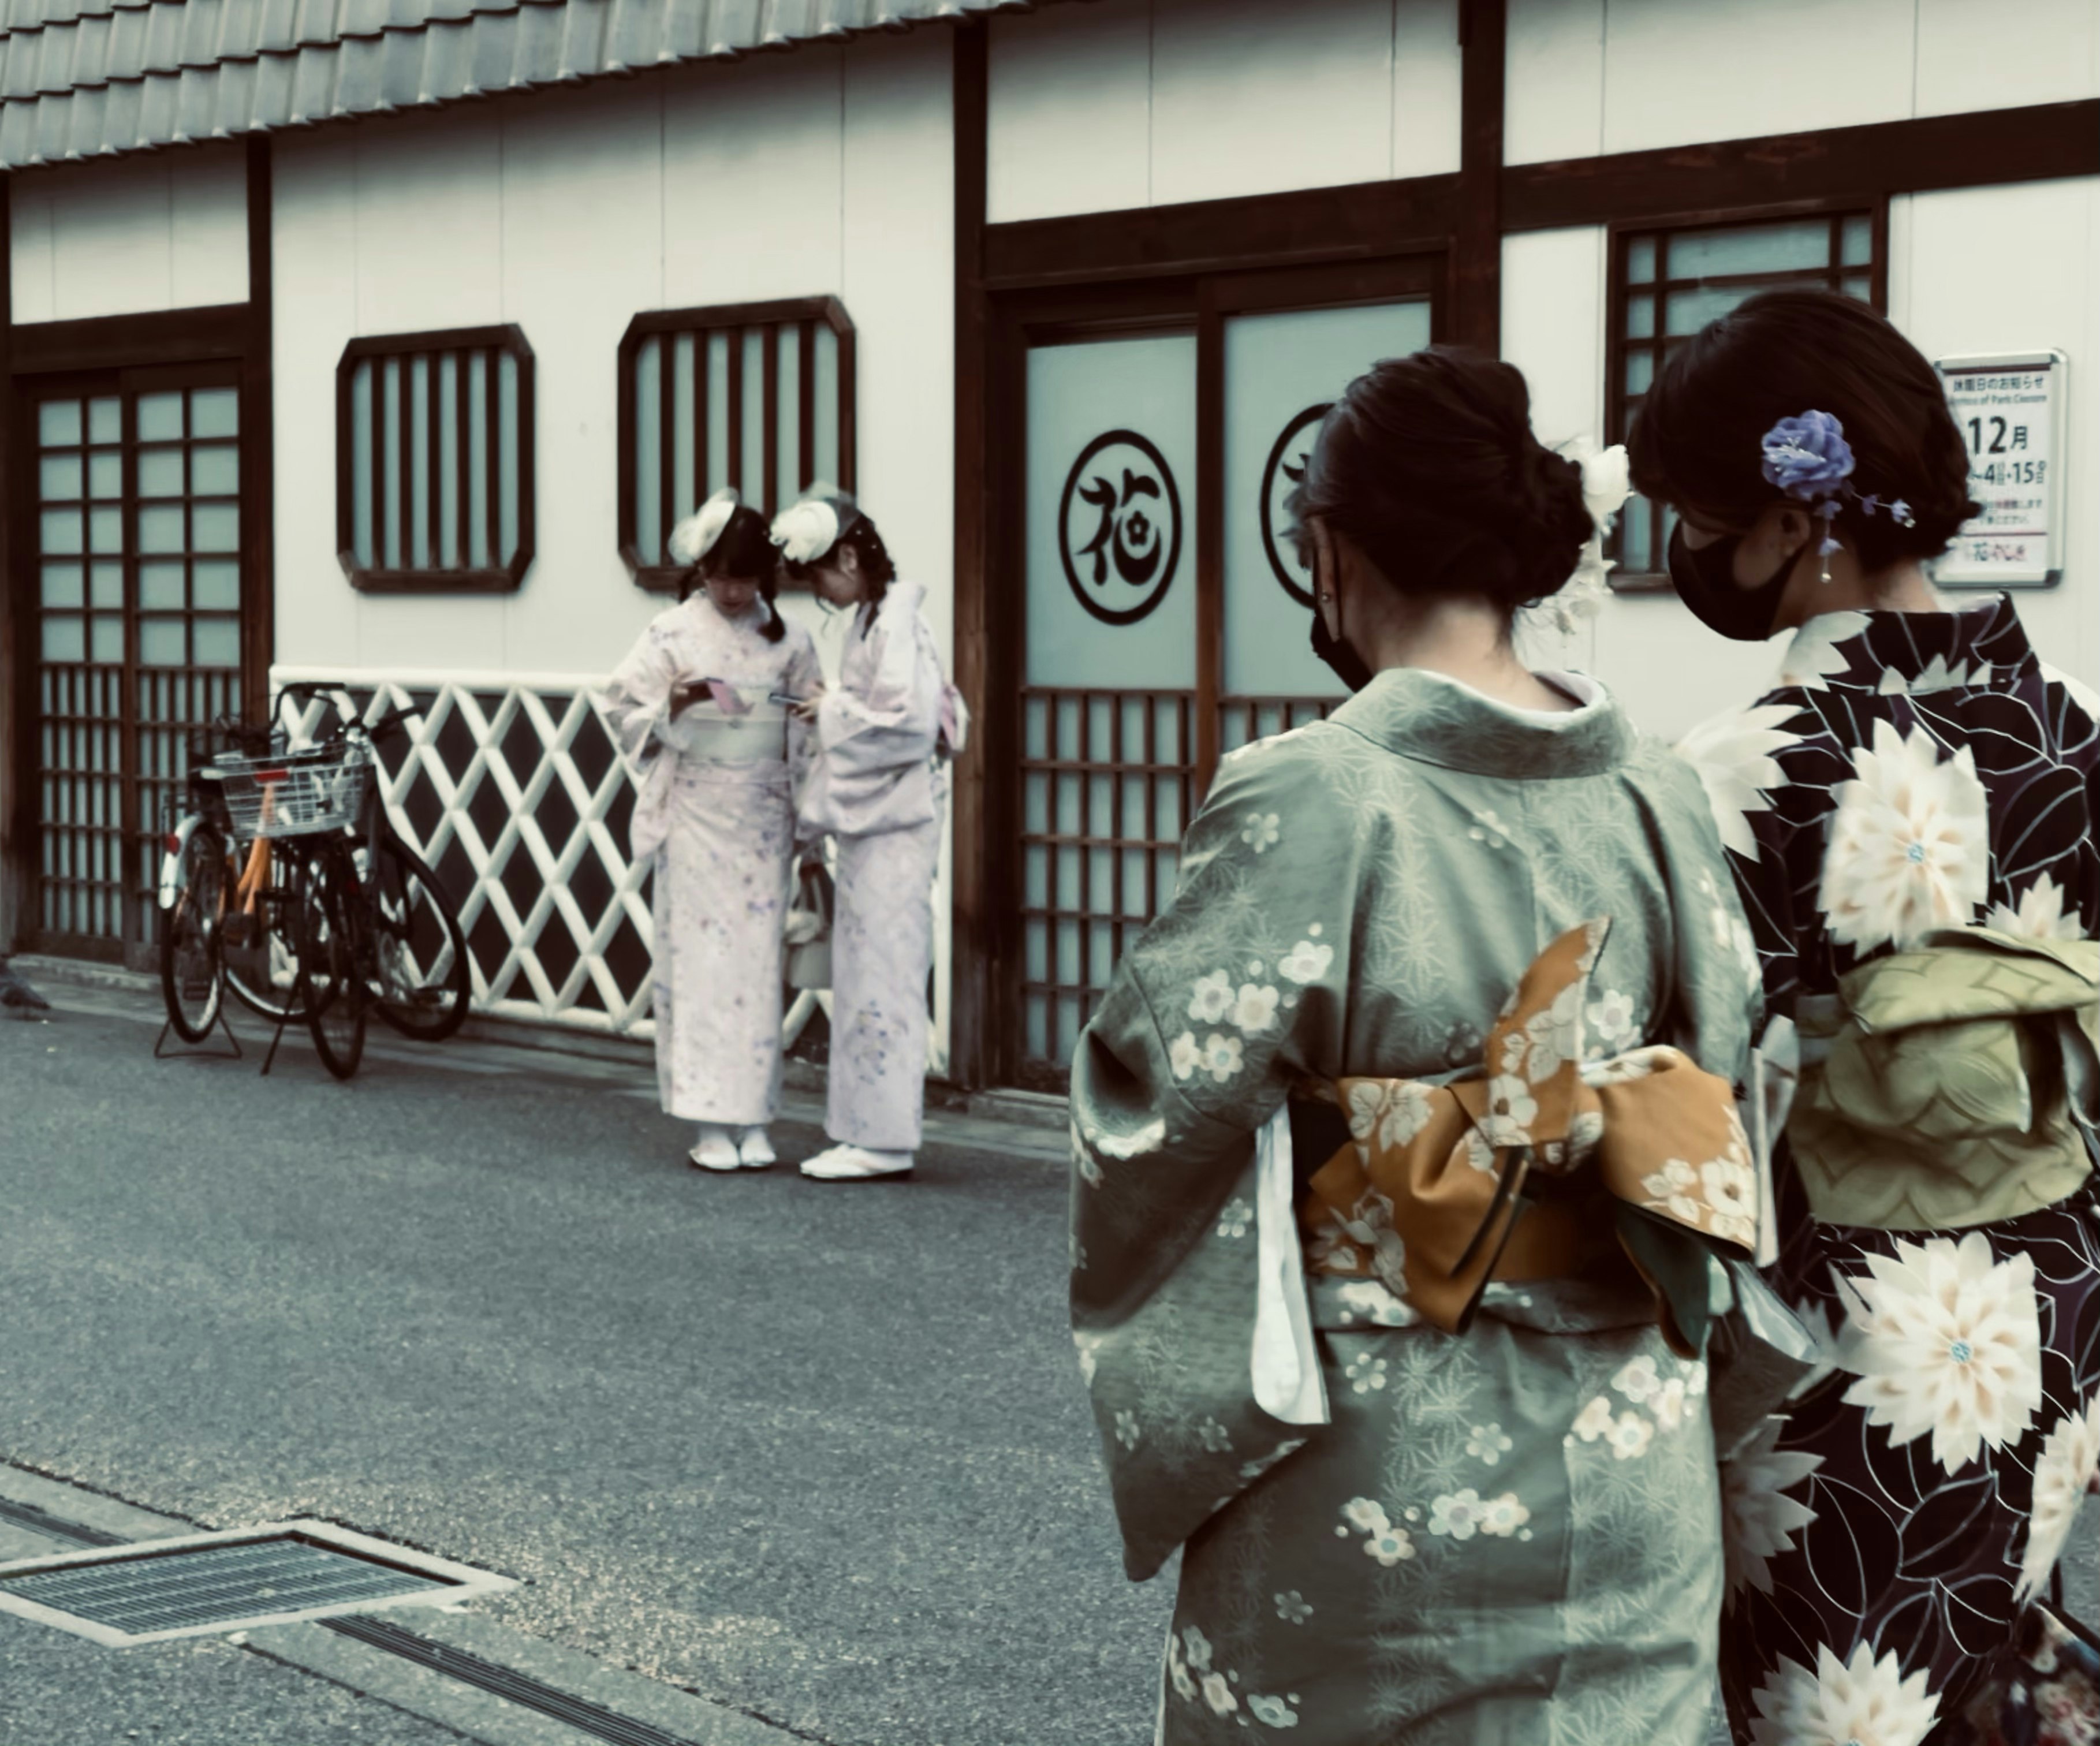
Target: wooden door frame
point(1017, 320)
point(239, 334)
point(126, 381)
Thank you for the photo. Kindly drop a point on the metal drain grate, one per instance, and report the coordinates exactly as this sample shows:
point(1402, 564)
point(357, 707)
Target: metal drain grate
point(506, 1682)
point(147, 1592)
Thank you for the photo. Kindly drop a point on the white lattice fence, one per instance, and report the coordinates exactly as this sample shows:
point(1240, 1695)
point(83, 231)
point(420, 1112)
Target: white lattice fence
point(511, 787)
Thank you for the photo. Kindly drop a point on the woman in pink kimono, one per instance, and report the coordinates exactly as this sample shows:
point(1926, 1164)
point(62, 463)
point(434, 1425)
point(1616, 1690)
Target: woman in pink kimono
point(701, 707)
point(878, 786)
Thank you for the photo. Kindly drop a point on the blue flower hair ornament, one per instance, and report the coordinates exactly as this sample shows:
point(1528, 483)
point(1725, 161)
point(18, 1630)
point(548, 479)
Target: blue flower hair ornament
point(1808, 458)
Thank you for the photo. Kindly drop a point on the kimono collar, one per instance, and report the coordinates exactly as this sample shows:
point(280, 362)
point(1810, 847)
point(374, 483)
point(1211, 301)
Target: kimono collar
point(901, 599)
point(1438, 720)
point(1982, 646)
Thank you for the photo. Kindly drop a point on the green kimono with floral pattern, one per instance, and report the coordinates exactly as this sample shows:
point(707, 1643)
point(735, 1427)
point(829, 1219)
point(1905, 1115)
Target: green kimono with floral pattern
point(1509, 1535)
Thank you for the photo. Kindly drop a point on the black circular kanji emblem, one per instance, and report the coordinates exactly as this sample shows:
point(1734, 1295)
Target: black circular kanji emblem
point(1119, 527)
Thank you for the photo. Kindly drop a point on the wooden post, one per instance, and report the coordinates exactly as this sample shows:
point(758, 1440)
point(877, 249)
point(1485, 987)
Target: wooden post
point(973, 1005)
point(258, 515)
point(18, 713)
point(1476, 244)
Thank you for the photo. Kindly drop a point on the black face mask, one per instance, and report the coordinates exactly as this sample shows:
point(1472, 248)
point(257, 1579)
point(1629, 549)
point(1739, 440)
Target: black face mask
point(1347, 664)
point(1342, 660)
point(1705, 581)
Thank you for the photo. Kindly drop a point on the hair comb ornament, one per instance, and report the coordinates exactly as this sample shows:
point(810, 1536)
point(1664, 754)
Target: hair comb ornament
point(810, 526)
point(1809, 459)
point(695, 537)
point(1607, 483)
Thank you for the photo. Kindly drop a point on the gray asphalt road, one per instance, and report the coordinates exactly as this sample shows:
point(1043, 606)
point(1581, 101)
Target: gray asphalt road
point(814, 1452)
point(818, 1452)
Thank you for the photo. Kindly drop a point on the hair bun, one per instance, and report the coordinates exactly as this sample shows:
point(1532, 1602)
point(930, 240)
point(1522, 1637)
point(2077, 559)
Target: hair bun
point(1544, 524)
point(1429, 464)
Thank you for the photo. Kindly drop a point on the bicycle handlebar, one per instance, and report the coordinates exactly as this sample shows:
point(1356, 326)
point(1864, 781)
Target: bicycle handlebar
point(388, 727)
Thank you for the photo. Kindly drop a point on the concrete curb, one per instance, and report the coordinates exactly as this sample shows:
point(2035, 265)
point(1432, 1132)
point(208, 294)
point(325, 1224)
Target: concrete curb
point(1039, 1111)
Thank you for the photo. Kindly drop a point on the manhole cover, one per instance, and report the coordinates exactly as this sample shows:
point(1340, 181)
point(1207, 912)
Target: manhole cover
point(154, 1589)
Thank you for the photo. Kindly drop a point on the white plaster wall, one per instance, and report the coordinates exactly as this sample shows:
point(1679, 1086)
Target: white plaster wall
point(1669, 669)
point(1949, 292)
point(1591, 75)
point(1983, 57)
point(2015, 269)
point(133, 237)
point(827, 170)
point(1136, 103)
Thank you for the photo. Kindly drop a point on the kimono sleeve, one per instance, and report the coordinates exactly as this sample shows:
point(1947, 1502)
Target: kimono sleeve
point(893, 721)
point(804, 672)
point(637, 698)
point(1717, 998)
point(1232, 995)
point(1235, 994)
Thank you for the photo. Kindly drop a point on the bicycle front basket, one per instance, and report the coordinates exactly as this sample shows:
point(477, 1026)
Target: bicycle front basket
point(295, 794)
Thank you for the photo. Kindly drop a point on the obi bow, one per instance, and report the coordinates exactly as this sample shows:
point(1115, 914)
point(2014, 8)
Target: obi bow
point(1538, 1165)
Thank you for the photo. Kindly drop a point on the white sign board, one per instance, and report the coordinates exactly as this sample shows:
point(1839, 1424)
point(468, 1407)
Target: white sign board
point(2011, 408)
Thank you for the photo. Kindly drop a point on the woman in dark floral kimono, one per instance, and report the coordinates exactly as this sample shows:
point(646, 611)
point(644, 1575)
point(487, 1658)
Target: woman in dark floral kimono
point(1909, 816)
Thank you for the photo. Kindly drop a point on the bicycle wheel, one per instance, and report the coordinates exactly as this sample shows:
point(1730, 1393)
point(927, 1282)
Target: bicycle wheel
point(193, 975)
point(419, 949)
point(332, 986)
point(261, 951)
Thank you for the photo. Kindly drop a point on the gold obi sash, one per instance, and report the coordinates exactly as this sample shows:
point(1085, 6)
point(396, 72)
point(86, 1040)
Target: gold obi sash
point(1951, 1085)
point(1540, 1168)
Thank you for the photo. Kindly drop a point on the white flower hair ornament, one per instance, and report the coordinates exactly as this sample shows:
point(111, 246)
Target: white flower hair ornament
point(807, 529)
point(695, 537)
point(1607, 483)
point(1809, 459)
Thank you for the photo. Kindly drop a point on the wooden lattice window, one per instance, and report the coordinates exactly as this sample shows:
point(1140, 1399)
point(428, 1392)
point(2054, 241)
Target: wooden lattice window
point(1668, 281)
point(433, 460)
point(755, 395)
point(132, 500)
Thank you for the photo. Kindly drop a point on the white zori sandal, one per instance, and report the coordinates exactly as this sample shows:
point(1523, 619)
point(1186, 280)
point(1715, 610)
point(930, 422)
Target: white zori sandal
point(844, 1163)
point(754, 1147)
point(719, 1149)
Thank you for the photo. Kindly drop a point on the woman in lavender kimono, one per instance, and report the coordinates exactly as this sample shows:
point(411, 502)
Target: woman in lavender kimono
point(884, 733)
point(1910, 816)
point(701, 708)
point(1445, 1477)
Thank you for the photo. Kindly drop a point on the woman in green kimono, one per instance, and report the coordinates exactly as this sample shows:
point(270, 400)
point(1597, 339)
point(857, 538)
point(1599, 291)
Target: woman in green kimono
point(1471, 942)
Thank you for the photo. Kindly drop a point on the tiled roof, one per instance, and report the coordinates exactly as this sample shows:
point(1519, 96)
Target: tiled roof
point(88, 78)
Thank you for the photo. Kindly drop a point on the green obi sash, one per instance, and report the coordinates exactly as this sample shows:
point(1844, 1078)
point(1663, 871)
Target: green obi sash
point(1955, 1084)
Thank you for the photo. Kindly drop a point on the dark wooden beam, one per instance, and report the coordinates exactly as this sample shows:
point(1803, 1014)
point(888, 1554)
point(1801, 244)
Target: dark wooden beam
point(973, 1013)
point(1363, 220)
point(1982, 149)
point(217, 333)
point(1356, 220)
point(258, 515)
point(1474, 317)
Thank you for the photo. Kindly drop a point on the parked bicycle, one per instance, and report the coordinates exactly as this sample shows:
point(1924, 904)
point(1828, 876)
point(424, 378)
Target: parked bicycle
point(286, 883)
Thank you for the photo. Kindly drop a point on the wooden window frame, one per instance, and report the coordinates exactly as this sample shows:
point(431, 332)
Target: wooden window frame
point(666, 578)
point(505, 579)
point(1621, 234)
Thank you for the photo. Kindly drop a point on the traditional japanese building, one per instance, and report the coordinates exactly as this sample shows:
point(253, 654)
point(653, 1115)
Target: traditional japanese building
point(383, 340)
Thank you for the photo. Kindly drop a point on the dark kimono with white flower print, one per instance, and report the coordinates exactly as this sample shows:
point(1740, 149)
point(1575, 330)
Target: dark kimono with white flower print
point(1911, 768)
